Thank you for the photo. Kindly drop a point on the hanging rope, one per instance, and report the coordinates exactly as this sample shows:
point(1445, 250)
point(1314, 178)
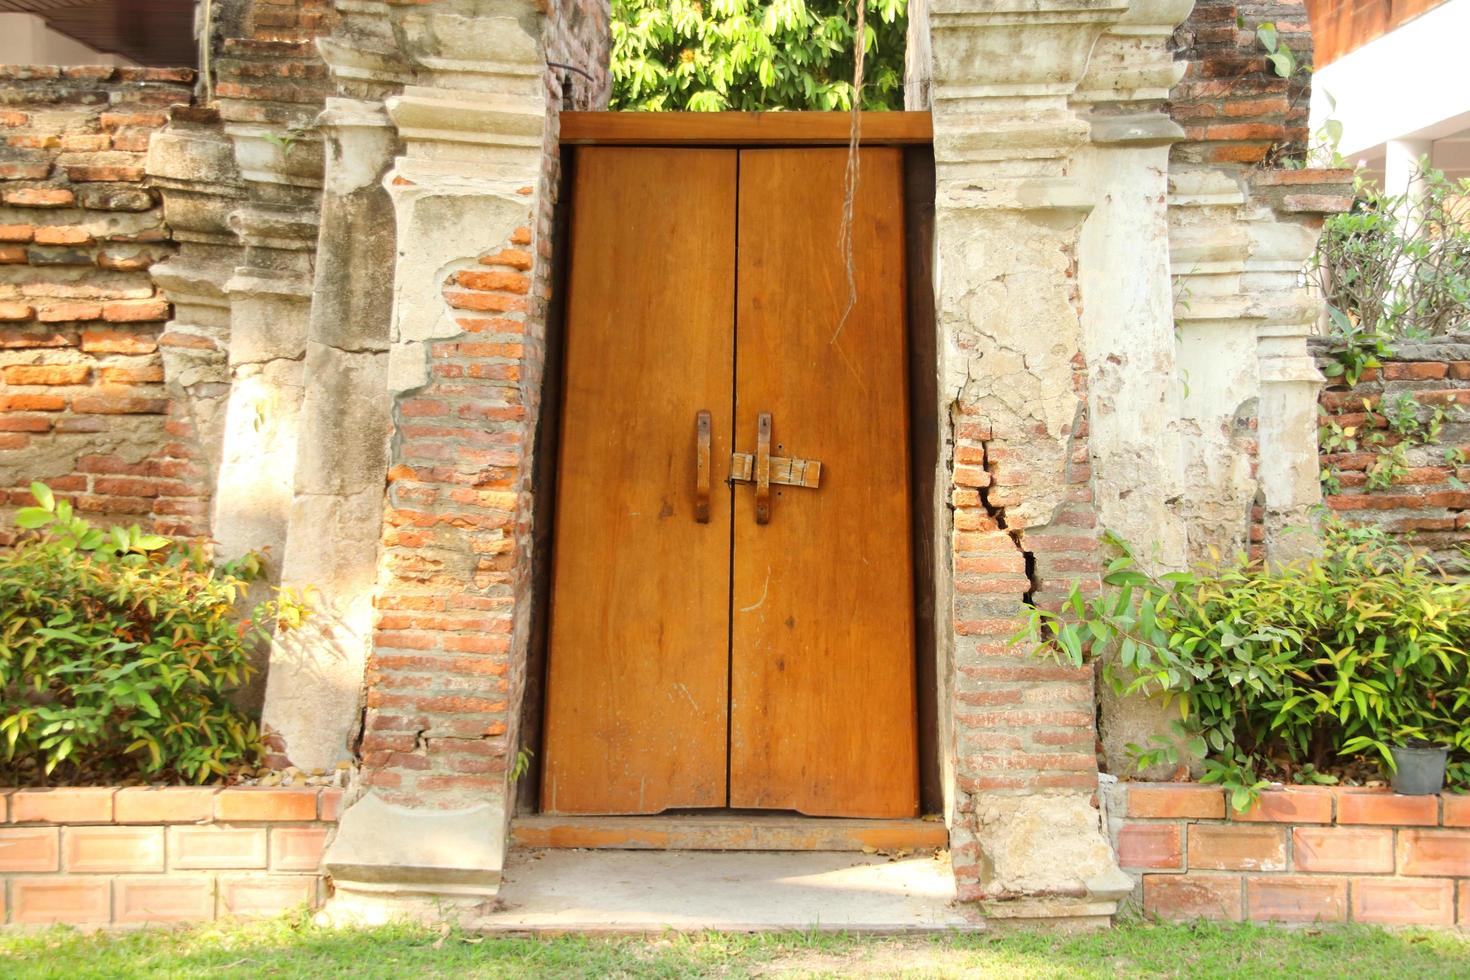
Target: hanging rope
point(850, 174)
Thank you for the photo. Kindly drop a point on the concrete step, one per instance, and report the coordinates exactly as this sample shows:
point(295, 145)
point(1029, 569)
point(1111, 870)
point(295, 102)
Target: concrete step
point(728, 832)
point(550, 892)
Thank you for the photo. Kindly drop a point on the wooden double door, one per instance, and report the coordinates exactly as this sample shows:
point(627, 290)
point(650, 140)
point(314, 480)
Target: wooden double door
point(744, 642)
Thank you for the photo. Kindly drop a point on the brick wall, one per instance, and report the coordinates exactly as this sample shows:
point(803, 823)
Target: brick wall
point(1428, 502)
point(448, 668)
point(105, 856)
point(1299, 855)
point(82, 400)
point(1233, 106)
point(452, 579)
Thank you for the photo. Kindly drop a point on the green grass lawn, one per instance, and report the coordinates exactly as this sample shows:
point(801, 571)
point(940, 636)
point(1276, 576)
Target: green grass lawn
point(293, 948)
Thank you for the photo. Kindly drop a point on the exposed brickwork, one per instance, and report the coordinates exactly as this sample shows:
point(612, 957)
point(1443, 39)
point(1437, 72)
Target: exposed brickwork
point(1022, 725)
point(448, 667)
point(103, 856)
point(1233, 106)
point(455, 559)
point(1428, 502)
point(1309, 854)
point(82, 400)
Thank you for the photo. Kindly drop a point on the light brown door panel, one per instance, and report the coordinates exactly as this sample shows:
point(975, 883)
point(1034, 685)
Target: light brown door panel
point(822, 665)
point(637, 693)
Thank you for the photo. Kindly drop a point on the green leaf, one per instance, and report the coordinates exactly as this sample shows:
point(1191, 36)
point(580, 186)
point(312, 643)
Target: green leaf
point(31, 518)
point(44, 498)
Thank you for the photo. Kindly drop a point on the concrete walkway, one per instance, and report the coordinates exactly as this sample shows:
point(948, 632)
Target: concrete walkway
point(643, 891)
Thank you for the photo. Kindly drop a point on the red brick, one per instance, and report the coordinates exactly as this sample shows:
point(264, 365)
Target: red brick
point(117, 120)
point(86, 173)
point(40, 197)
point(62, 235)
point(47, 374)
point(265, 896)
point(87, 805)
point(32, 403)
point(484, 302)
point(1150, 845)
point(251, 803)
point(149, 374)
point(63, 312)
point(162, 899)
point(514, 258)
point(1296, 898)
point(297, 848)
point(173, 804)
point(1387, 808)
point(1230, 847)
point(216, 848)
point(1193, 896)
point(1346, 849)
point(108, 849)
point(133, 312)
point(107, 341)
point(74, 900)
point(1434, 852)
point(1166, 801)
point(115, 402)
point(29, 849)
point(12, 312)
point(1456, 810)
point(331, 804)
point(1288, 806)
point(1414, 371)
point(511, 282)
point(17, 233)
point(1404, 901)
point(1464, 904)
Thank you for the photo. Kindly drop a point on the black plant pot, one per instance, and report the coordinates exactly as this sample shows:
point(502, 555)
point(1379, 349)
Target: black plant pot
point(1419, 770)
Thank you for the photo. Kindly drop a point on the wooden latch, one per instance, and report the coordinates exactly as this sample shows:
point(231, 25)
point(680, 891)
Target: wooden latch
point(763, 469)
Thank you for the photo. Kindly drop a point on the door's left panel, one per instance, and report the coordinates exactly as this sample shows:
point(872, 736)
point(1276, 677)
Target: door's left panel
point(637, 692)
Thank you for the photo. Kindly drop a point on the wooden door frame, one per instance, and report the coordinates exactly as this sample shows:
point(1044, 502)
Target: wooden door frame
point(913, 131)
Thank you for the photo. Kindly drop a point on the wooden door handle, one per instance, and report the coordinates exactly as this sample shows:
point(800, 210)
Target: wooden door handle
point(763, 468)
point(701, 467)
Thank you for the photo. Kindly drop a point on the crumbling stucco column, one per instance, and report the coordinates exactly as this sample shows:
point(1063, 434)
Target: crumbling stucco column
point(279, 162)
point(1127, 318)
point(314, 693)
point(1025, 832)
point(1291, 206)
point(473, 106)
point(192, 163)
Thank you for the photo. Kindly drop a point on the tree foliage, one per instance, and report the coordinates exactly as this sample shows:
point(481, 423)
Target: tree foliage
point(716, 55)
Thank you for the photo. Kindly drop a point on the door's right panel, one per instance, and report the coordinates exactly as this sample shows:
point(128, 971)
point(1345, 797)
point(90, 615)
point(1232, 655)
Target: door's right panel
point(822, 669)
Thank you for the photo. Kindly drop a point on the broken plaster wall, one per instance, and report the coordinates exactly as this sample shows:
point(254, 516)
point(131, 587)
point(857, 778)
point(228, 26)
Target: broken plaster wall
point(472, 106)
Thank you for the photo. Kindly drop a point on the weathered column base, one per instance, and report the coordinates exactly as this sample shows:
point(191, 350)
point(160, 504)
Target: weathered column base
point(390, 863)
point(1046, 857)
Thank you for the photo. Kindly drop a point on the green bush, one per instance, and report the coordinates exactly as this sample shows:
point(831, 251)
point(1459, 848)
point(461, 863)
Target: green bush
point(1285, 672)
point(118, 651)
point(1393, 269)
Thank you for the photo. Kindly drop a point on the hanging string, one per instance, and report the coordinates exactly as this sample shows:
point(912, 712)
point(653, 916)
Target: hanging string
point(850, 174)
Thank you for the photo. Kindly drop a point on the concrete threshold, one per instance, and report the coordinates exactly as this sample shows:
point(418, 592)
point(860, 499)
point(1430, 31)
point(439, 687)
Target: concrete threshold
point(620, 892)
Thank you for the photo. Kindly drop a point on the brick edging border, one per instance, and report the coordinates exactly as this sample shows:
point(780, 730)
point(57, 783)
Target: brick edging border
point(1300, 854)
point(109, 856)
